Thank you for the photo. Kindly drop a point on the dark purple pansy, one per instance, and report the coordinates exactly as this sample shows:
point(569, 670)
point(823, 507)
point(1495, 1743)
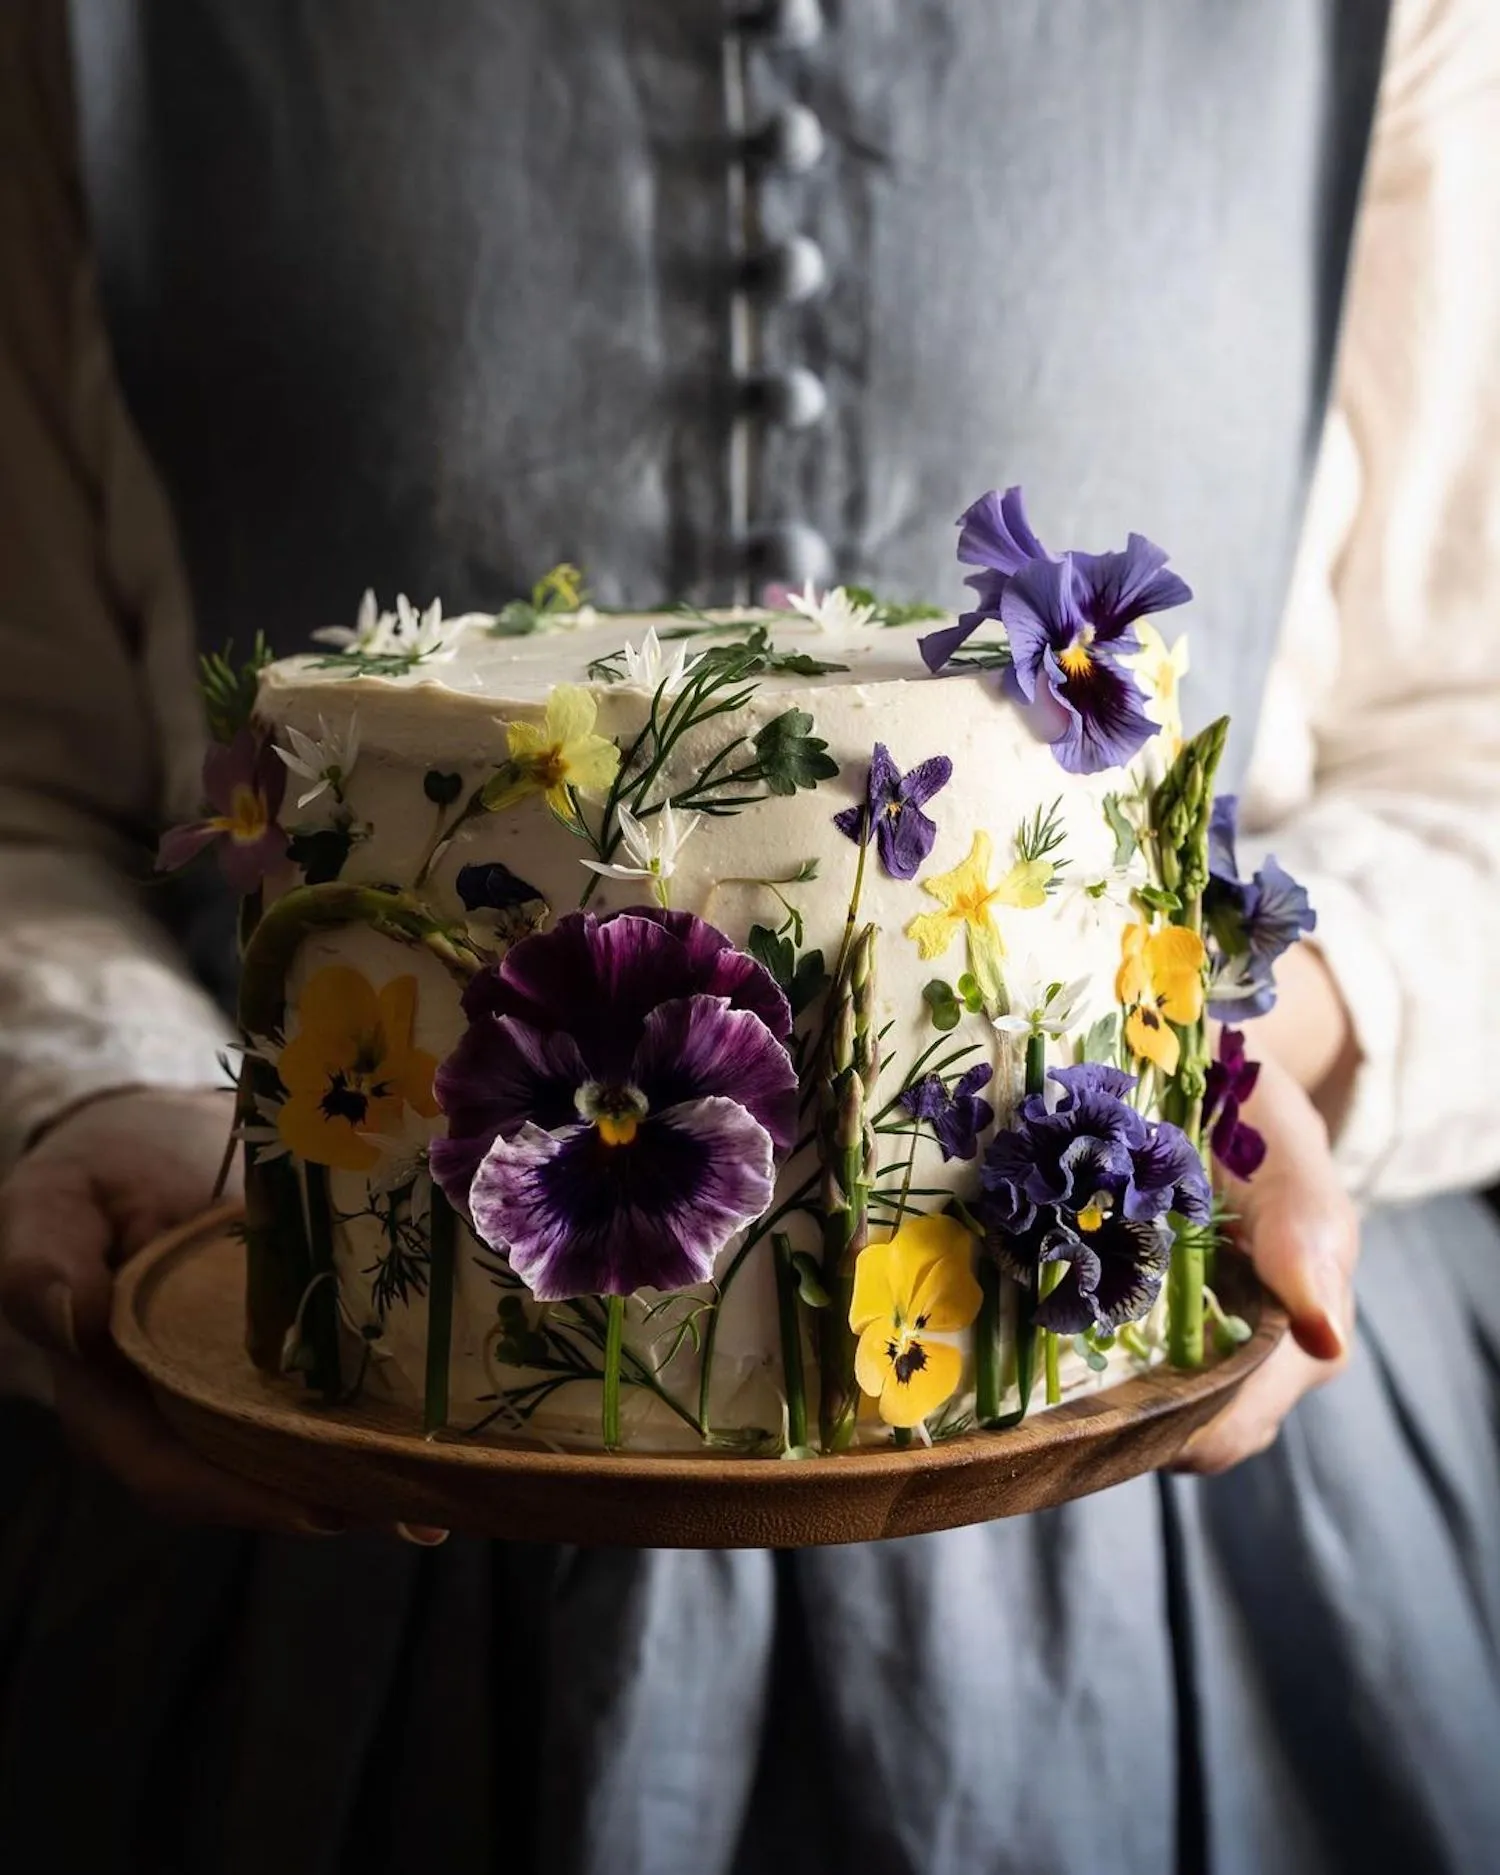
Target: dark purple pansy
point(994, 536)
point(1230, 1083)
point(1251, 922)
point(243, 782)
point(617, 1103)
point(893, 809)
point(1089, 1183)
point(493, 887)
point(956, 1118)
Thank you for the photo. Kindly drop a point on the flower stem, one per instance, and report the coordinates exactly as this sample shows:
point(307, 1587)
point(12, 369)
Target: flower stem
point(1185, 1307)
point(791, 1342)
point(614, 1337)
point(901, 1437)
point(442, 1231)
point(320, 1319)
point(1050, 1277)
point(987, 1344)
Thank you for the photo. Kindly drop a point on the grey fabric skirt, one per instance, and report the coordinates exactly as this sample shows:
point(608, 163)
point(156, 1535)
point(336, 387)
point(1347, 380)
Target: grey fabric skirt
point(1294, 1668)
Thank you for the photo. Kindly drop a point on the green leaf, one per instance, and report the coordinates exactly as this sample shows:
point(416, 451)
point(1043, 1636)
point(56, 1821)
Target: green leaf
point(942, 1005)
point(972, 994)
point(810, 1288)
point(229, 689)
point(801, 664)
point(1125, 835)
point(1103, 1039)
point(774, 952)
point(441, 789)
point(1158, 898)
point(809, 980)
point(1082, 1345)
point(790, 756)
point(321, 855)
point(519, 619)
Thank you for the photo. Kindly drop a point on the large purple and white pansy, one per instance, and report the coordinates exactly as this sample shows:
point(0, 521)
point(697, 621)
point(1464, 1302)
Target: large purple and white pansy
point(618, 1102)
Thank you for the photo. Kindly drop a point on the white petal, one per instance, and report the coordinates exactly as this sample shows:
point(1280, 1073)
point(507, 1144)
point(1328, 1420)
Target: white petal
point(637, 838)
point(616, 872)
point(322, 786)
point(339, 635)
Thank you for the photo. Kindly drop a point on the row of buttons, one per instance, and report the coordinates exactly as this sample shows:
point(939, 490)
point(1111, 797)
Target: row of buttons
point(786, 273)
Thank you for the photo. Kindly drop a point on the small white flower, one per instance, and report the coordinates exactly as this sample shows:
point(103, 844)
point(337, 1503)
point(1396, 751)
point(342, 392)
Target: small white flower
point(1110, 891)
point(420, 638)
point(653, 847)
point(1040, 1007)
point(326, 760)
point(648, 667)
point(834, 612)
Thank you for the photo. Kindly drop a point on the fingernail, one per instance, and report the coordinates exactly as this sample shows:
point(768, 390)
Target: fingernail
point(1332, 1290)
point(425, 1535)
point(57, 1319)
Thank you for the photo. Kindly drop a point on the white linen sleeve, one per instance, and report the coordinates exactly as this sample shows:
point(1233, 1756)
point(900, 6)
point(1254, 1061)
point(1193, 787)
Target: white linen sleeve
point(99, 727)
point(1376, 773)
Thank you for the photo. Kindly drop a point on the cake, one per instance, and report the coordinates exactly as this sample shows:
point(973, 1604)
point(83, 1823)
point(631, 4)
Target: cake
point(764, 1031)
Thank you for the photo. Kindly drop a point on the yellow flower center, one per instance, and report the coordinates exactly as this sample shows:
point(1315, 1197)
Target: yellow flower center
point(550, 768)
point(1094, 1213)
point(247, 819)
point(617, 1129)
point(973, 905)
point(615, 1112)
point(1078, 657)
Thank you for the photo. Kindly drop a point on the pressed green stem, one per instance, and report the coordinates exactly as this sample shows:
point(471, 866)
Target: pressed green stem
point(791, 1341)
point(320, 1315)
point(614, 1339)
point(1185, 1307)
point(442, 1236)
point(1051, 1276)
point(901, 1437)
point(1036, 1063)
point(987, 1344)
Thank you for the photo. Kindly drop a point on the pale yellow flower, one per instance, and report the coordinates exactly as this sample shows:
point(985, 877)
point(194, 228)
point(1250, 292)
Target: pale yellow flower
point(559, 754)
point(968, 900)
point(1159, 670)
point(911, 1293)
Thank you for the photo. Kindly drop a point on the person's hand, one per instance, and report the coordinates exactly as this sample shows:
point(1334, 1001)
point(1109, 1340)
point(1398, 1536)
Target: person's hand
point(1296, 1223)
point(96, 1188)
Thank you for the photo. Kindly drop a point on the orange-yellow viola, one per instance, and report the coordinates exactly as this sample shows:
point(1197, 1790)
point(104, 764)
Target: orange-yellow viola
point(351, 1070)
point(909, 1292)
point(1159, 982)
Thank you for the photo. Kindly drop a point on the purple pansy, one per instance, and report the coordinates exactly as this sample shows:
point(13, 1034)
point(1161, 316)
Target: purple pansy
point(893, 809)
point(617, 1103)
point(1089, 1183)
point(243, 783)
point(994, 536)
point(1250, 922)
point(1231, 1079)
point(957, 1118)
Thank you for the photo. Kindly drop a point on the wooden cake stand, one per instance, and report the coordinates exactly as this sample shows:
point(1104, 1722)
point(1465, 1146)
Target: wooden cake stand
point(179, 1317)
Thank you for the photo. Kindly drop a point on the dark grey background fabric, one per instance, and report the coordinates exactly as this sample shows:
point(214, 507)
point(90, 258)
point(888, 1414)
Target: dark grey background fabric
point(435, 296)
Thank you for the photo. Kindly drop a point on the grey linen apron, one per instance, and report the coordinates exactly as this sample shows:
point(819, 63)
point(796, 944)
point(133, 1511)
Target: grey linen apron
point(436, 296)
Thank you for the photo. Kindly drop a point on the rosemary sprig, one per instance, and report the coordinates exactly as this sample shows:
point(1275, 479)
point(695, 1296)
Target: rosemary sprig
point(228, 689)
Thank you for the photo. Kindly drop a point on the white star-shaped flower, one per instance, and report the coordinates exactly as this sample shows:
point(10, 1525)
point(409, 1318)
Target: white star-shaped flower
point(326, 760)
point(834, 612)
point(650, 668)
point(653, 847)
point(419, 637)
point(1039, 1006)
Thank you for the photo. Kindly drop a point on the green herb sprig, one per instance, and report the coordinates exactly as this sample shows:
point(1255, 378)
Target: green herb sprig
point(228, 689)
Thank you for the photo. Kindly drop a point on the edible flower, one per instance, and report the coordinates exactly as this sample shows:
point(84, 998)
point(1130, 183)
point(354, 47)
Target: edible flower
point(996, 537)
point(1159, 669)
point(243, 783)
point(1040, 1007)
point(892, 809)
point(652, 845)
point(911, 1292)
point(405, 634)
point(501, 907)
point(1251, 922)
point(957, 1118)
point(1159, 982)
point(835, 611)
point(560, 754)
point(1229, 1083)
point(968, 900)
point(326, 760)
point(617, 1103)
point(648, 667)
point(351, 1070)
point(1088, 1182)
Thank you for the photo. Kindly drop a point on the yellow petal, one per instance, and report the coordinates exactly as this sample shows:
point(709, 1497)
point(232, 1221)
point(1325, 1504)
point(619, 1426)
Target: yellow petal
point(307, 1131)
point(414, 1081)
point(525, 740)
point(873, 1300)
point(908, 1402)
point(591, 764)
point(337, 1005)
point(969, 879)
point(932, 1273)
point(1152, 1039)
point(398, 1009)
point(987, 962)
point(1025, 885)
point(871, 1367)
point(1175, 957)
point(933, 932)
point(1132, 982)
point(571, 714)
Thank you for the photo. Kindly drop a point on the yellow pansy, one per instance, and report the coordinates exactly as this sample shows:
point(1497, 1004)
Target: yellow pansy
point(558, 753)
point(1159, 670)
point(1160, 981)
point(968, 901)
point(916, 1286)
point(351, 1069)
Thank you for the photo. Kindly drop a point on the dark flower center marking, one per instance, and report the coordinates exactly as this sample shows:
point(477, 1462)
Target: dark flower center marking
point(907, 1358)
point(343, 1100)
point(616, 1110)
point(549, 768)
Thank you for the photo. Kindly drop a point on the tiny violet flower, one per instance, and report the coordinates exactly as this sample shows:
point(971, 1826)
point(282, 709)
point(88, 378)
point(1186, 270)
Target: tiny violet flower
point(1039, 1007)
point(892, 810)
point(244, 784)
point(1251, 922)
point(418, 638)
point(1230, 1082)
point(650, 668)
point(326, 760)
point(834, 612)
point(652, 845)
point(912, 1295)
point(957, 1118)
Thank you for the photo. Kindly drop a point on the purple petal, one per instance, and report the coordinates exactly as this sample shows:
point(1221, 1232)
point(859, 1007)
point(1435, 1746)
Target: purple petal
point(851, 821)
point(231, 765)
point(180, 844)
point(246, 862)
point(1280, 912)
point(1093, 1077)
point(1114, 1275)
point(501, 1075)
point(1221, 830)
point(958, 1129)
point(1168, 1175)
point(903, 838)
point(937, 647)
point(269, 777)
point(1238, 1147)
point(1039, 615)
point(699, 1047)
point(885, 778)
point(1108, 724)
point(1115, 589)
point(718, 969)
point(578, 1217)
point(994, 532)
point(919, 784)
point(925, 1099)
point(974, 1081)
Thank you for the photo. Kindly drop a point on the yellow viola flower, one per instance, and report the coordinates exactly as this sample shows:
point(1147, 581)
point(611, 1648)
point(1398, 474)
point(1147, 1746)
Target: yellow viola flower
point(1159, 982)
point(560, 752)
point(968, 900)
point(1159, 669)
point(915, 1287)
point(351, 1069)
